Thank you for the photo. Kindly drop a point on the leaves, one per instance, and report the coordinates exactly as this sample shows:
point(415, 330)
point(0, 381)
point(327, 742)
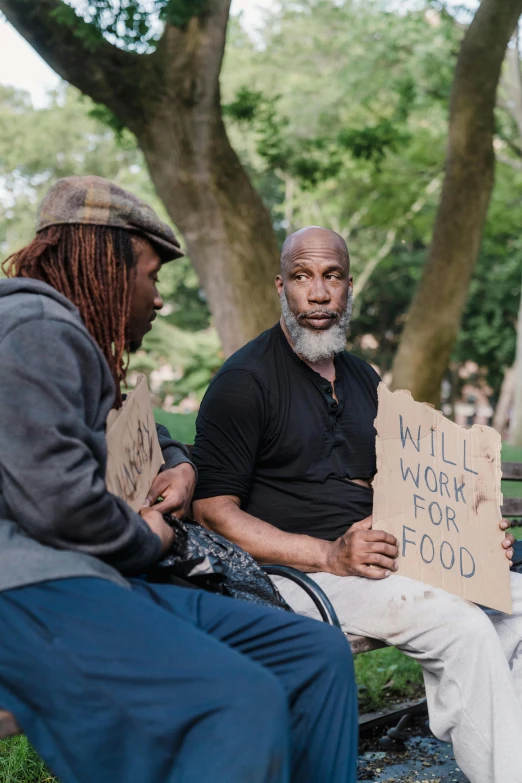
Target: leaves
point(130, 24)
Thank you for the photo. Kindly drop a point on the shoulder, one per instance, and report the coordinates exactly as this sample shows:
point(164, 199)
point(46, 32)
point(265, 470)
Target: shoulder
point(32, 302)
point(47, 328)
point(252, 360)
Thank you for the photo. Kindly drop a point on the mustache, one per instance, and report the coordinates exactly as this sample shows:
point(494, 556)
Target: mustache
point(319, 311)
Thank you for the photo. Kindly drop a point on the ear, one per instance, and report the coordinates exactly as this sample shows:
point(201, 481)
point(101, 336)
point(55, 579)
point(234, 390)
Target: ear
point(279, 284)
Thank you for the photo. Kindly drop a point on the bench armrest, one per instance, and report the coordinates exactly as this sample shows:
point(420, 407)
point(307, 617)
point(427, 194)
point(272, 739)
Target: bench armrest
point(316, 593)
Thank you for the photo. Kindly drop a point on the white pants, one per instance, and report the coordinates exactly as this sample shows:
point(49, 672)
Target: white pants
point(471, 660)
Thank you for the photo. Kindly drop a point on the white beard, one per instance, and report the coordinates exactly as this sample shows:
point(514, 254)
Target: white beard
point(317, 345)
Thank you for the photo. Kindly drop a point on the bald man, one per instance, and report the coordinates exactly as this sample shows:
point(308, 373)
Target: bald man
point(285, 450)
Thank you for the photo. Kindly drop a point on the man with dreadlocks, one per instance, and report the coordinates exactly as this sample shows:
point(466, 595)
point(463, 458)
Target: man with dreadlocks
point(114, 679)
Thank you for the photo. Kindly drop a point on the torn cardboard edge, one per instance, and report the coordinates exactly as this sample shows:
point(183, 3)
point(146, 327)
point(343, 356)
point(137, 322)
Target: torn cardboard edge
point(134, 454)
point(437, 490)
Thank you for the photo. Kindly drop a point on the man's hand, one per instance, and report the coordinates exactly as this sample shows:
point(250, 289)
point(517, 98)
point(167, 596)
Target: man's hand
point(176, 487)
point(158, 525)
point(362, 551)
point(508, 541)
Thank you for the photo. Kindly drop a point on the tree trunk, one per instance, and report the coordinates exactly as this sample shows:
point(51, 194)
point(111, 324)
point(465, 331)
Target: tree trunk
point(436, 310)
point(504, 403)
point(515, 430)
point(170, 100)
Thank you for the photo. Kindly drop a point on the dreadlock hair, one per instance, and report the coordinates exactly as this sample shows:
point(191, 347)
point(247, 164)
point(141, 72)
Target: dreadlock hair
point(94, 267)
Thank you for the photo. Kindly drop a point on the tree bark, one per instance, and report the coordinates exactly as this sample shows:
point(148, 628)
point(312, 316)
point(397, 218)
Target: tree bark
point(170, 100)
point(515, 429)
point(436, 311)
point(505, 399)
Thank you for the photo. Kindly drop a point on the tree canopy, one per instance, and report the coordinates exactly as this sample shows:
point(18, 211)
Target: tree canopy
point(338, 113)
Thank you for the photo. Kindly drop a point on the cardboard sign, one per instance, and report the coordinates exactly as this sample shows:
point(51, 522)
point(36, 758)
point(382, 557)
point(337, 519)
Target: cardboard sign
point(437, 490)
point(134, 453)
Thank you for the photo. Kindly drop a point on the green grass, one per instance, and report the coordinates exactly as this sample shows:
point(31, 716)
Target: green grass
point(19, 763)
point(385, 677)
point(512, 489)
point(182, 426)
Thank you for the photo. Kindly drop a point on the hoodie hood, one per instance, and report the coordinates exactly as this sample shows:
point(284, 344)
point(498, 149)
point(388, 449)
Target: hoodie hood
point(26, 285)
point(24, 299)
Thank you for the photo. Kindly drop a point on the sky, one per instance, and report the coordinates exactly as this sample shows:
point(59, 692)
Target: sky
point(21, 67)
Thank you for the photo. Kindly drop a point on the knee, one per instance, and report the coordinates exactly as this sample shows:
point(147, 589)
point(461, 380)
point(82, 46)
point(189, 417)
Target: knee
point(329, 646)
point(337, 648)
point(469, 625)
point(258, 695)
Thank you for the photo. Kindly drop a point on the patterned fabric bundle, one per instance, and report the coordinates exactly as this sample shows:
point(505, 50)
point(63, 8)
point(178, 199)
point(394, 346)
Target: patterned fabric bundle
point(211, 562)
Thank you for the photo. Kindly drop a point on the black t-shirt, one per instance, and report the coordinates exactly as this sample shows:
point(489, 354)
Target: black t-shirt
point(270, 431)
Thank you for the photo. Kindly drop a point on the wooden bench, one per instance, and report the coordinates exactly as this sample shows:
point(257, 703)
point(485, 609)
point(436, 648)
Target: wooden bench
point(511, 471)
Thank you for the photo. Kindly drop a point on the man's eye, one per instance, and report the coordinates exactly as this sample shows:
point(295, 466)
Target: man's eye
point(332, 277)
point(300, 277)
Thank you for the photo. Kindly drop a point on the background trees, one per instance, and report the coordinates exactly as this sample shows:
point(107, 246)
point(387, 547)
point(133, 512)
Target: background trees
point(338, 112)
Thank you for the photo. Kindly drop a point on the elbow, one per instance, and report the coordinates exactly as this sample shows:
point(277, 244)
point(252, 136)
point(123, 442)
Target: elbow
point(206, 510)
point(213, 513)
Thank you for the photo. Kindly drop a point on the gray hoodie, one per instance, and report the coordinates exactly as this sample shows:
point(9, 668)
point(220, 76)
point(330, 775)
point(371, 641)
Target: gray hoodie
point(57, 518)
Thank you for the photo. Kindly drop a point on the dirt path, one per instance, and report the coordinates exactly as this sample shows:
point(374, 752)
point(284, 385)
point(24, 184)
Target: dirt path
point(421, 759)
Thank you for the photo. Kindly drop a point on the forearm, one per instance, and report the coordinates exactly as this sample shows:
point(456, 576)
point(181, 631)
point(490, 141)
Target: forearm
point(266, 543)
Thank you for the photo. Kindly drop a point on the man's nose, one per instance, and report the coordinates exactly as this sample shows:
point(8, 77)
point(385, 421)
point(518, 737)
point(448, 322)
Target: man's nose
point(319, 292)
point(158, 302)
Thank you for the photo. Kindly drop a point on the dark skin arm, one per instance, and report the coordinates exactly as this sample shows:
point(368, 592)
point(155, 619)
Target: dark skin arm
point(361, 551)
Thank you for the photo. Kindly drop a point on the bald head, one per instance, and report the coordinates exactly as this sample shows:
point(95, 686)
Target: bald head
point(310, 241)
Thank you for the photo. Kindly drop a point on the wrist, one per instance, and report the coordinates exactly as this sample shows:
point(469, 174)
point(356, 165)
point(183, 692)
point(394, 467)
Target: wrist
point(324, 555)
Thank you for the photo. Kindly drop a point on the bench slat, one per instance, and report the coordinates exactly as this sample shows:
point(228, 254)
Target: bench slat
point(512, 471)
point(512, 507)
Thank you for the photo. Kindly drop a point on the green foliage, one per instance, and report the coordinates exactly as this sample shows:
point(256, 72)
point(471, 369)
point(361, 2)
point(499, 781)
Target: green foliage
point(131, 24)
point(193, 357)
point(386, 674)
point(352, 137)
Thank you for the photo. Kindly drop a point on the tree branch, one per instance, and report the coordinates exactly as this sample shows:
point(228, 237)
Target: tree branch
point(185, 65)
point(514, 80)
point(75, 50)
point(432, 187)
point(513, 162)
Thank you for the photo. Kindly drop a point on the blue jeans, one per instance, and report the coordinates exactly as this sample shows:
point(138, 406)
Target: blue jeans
point(162, 684)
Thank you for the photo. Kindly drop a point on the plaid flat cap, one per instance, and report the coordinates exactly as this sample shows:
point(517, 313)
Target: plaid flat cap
point(95, 201)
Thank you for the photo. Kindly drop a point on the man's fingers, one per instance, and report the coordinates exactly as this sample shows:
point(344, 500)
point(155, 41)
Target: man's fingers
point(508, 541)
point(171, 505)
point(504, 524)
point(382, 549)
point(380, 560)
point(371, 572)
point(380, 535)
